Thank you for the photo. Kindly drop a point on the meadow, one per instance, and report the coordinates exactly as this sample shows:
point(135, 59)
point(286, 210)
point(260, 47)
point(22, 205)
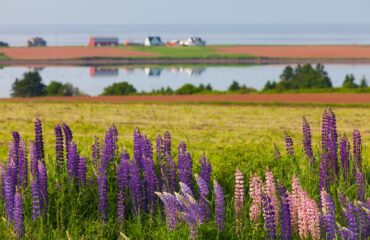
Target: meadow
point(230, 136)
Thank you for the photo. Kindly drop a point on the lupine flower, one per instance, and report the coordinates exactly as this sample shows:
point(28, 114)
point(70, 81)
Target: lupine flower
point(277, 154)
point(357, 150)
point(328, 212)
point(122, 175)
point(307, 145)
point(289, 145)
point(314, 219)
point(255, 192)
point(171, 208)
point(138, 151)
point(110, 145)
point(22, 165)
point(286, 230)
point(360, 182)
point(136, 189)
point(43, 184)
point(239, 199)
point(150, 180)
point(103, 195)
point(18, 215)
point(34, 164)
point(351, 221)
point(270, 190)
point(219, 205)
point(9, 189)
point(362, 220)
point(81, 171)
point(72, 161)
point(171, 174)
point(205, 169)
point(95, 153)
point(269, 216)
point(346, 234)
point(185, 165)
point(39, 140)
point(324, 179)
point(167, 143)
point(344, 156)
point(36, 204)
point(59, 148)
point(203, 195)
point(324, 131)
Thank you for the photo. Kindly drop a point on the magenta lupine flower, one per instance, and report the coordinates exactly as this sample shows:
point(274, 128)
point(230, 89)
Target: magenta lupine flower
point(110, 145)
point(357, 150)
point(136, 189)
point(324, 131)
point(255, 192)
point(289, 145)
point(270, 191)
point(344, 157)
point(95, 153)
point(68, 136)
point(269, 216)
point(205, 169)
point(171, 207)
point(219, 205)
point(122, 175)
point(185, 165)
point(81, 171)
point(285, 223)
point(72, 161)
point(360, 182)
point(9, 189)
point(43, 184)
point(138, 151)
point(150, 179)
point(171, 174)
point(239, 199)
point(307, 145)
point(167, 143)
point(36, 204)
point(18, 215)
point(203, 190)
point(328, 214)
point(22, 165)
point(349, 213)
point(103, 195)
point(59, 147)
point(39, 140)
point(277, 154)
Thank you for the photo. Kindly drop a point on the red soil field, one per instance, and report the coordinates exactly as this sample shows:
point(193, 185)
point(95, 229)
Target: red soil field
point(319, 51)
point(329, 98)
point(47, 53)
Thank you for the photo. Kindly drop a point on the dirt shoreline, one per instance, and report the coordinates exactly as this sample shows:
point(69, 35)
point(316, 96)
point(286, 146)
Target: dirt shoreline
point(288, 98)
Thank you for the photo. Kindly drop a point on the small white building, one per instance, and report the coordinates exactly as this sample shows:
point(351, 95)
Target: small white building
point(193, 41)
point(36, 42)
point(153, 41)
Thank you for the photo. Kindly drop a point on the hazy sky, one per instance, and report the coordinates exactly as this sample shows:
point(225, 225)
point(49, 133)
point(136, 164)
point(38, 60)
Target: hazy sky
point(183, 11)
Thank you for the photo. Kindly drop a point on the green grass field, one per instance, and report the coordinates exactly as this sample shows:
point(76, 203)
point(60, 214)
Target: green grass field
point(230, 135)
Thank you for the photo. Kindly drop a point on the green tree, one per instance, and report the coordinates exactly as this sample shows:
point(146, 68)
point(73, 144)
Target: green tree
point(234, 86)
point(349, 82)
point(119, 89)
point(363, 83)
point(269, 86)
point(209, 87)
point(188, 89)
point(30, 86)
point(59, 89)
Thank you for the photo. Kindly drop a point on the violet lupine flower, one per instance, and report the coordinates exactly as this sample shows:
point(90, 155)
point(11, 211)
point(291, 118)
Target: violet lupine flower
point(103, 195)
point(344, 157)
point(138, 151)
point(59, 147)
point(110, 145)
point(307, 145)
point(239, 199)
point(324, 179)
point(349, 213)
point(185, 165)
point(72, 161)
point(18, 215)
point(171, 174)
point(203, 195)
point(205, 169)
point(95, 153)
point(39, 140)
point(324, 131)
point(362, 220)
point(346, 234)
point(36, 203)
point(255, 192)
point(360, 182)
point(160, 155)
point(286, 229)
point(68, 136)
point(81, 171)
point(43, 184)
point(14, 151)
point(22, 165)
point(270, 190)
point(328, 214)
point(167, 143)
point(357, 150)
point(151, 182)
point(122, 175)
point(277, 154)
point(9, 189)
point(219, 205)
point(269, 216)
point(289, 145)
point(171, 207)
point(34, 163)
point(136, 189)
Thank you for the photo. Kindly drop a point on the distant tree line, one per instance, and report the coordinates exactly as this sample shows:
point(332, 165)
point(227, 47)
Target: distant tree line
point(4, 44)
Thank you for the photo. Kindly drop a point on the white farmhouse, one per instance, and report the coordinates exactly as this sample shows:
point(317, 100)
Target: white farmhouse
point(153, 41)
point(193, 41)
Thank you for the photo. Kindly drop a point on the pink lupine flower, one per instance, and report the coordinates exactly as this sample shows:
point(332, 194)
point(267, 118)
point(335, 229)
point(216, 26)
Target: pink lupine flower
point(303, 216)
point(239, 199)
point(294, 204)
point(314, 220)
point(255, 192)
point(270, 190)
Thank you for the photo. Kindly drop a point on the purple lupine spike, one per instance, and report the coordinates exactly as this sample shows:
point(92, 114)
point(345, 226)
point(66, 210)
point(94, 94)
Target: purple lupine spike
point(39, 140)
point(110, 144)
point(68, 136)
point(9, 189)
point(324, 131)
point(34, 164)
point(72, 161)
point(3, 181)
point(36, 204)
point(43, 184)
point(346, 234)
point(167, 142)
point(95, 155)
point(277, 153)
point(357, 150)
point(186, 190)
point(23, 165)
point(138, 151)
point(136, 189)
point(15, 148)
point(203, 195)
point(59, 147)
point(150, 179)
point(344, 157)
point(171, 174)
point(185, 165)
point(219, 205)
point(362, 220)
point(289, 145)
point(160, 156)
point(103, 195)
point(81, 171)
point(171, 208)
point(18, 215)
point(324, 172)
point(12, 166)
point(286, 229)
point(307, 145)
point(360, 182)
point(269, 216)
point(122, 175)
point(351, 221)
point(328, 214)
point(205, 169)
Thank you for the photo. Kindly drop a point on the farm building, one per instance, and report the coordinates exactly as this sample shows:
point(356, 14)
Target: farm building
point(153, 41)
point(193, 41)
point(103, 41)
point(103, 72)
point(36, 42)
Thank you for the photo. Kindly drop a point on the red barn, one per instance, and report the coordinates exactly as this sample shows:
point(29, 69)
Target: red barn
point(103, 41)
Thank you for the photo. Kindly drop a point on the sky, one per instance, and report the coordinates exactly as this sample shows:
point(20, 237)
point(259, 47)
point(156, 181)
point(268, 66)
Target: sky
point(184, 11)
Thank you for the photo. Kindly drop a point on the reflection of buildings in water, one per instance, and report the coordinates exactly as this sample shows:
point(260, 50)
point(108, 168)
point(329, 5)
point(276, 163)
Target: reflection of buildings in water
point(191, 71)
point(35, 69)
point(129, 70)
point(153, 72)
point(103, 72)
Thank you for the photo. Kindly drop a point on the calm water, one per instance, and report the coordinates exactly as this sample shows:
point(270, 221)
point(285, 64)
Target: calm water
point(92, 80)
point(59, 35)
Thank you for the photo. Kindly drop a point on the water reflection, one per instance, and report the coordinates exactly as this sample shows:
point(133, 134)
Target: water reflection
point(103, 72)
